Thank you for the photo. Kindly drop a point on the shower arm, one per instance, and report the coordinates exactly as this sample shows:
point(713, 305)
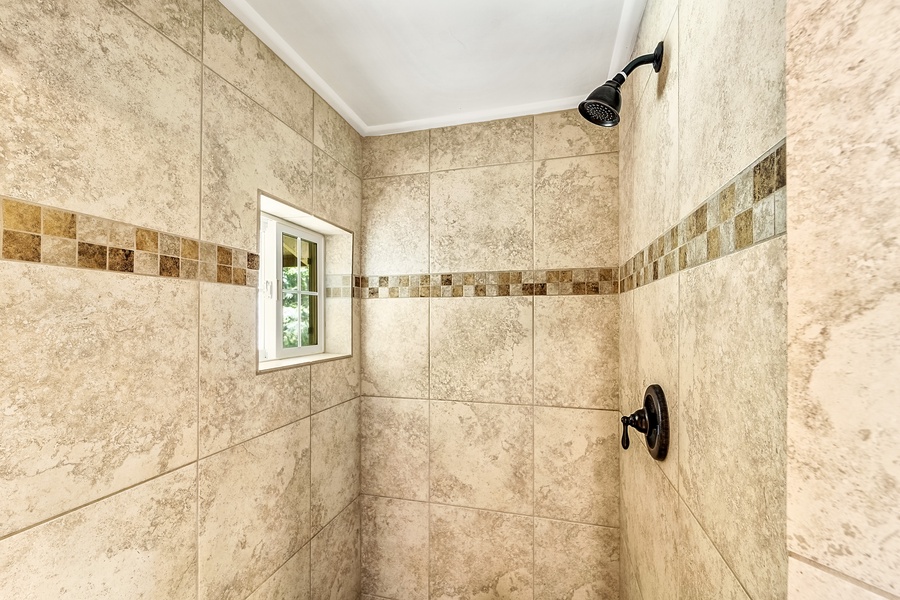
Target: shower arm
point(654, 59)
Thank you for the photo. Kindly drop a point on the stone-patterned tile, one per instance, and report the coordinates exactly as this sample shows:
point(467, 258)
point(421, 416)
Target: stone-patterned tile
point(334, 382)
point(481, 219)
point(481, 456)
point(395, 225)
point(628, 244)
point(336, 136)
point(628, 585)
point(125, 100)
point(728, 130)
point(290, 582)
point(254, 510)
point(335, 558)
point(482, 144)
point(567, 133)
point(137, 544)
point(576, 465)
point(335, 462)
point(245, 150)
point(806, 582)
point(22, 246)
point(232, 51)
point(733, 405)
point(576, 351)
point(576, 212)
point(575, 561)
point(337, 193)
point(236, 403)
point(481, 349)
point(480, 555)
point(395, 339)
point(400, 154)
point(394, 448)
point(180, 21)
point(59, 251)
point(91, 352)
point(394, 548)
point(628, 385)
point(655, 25)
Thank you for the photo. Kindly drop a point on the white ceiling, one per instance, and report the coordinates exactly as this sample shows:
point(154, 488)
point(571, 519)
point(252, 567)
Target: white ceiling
point(402, 65)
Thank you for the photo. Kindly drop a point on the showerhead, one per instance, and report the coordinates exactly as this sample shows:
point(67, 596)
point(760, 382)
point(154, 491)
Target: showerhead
point(603, 105)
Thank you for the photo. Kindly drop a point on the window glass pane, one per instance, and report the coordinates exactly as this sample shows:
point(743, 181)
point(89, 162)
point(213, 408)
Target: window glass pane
point(290, 321)
point(289, 262)
point(308, 266)
point(308, 319)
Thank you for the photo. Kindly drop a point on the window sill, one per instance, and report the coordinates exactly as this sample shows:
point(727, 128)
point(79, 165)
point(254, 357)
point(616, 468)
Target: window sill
point(299, 361)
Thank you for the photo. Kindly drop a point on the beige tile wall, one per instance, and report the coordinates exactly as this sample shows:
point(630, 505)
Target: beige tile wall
point(143, 457)
point(489, 426)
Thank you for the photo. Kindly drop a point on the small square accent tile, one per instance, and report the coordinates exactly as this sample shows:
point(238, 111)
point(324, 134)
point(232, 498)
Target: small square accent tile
point(223, 257)
point(239, 276)
point(59, 251)
point(208, 272)
point(21, 246)
point(93, 230)
point(146, 263)
point(208, 252)
point(59, 223)
point(121, 260)
point(190, 249)
point(147, 240)
point(121, 235)
point(223, 274)
point(189, 269)
point(239, 259)
point(253, 261)
point(169, 266)
point(170, 245)
point(91, 256)
point(743, 230)
point(20, 216)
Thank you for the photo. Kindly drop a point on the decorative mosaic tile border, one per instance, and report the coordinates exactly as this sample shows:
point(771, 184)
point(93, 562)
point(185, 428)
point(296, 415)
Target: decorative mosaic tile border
point(562, 282)
point(750, 209)
point(42, 234)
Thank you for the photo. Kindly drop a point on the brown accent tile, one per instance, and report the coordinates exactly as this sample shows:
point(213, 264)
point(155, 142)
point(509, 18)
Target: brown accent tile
point(383, 282)
point(726, 203)
point(743, 229)
point(169, 266)
point(606, 275)
point(146, 263)
point(121, 260)
point(469, 279)
point(457, 291)
point(91, 256)
point(682, 258)
point(503, 289)
point(59, 251)
point(121, 235)
point(480, 290)
point(540, 289)
point(780, 167)
point(170, 245)
point(764, 178)
point(404, 281)
point(527, 289)
point(239, 277)
point(253, 261)
point(190, 269)
point(393, 292)
point(579, 288)
point(21, 217)
point(223, 274)
point(93, 230)
point(21, 246)
point(592, 288)
point(59, 223)
point(190, 249)
point(713, 248)
point(565, 276)
point(424, 291)
point(147, 240)
point(697, 222)
point(223, 257)
point(552, 276)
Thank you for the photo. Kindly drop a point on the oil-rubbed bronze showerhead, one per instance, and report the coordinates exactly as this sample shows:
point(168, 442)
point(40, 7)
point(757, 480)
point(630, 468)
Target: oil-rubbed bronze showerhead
point(603, 105)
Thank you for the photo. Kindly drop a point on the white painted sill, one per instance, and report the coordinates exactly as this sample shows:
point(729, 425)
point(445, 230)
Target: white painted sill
point(298, 361)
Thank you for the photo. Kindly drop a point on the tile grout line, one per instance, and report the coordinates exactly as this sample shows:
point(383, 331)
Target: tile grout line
point(199, 287)
point(843, 576)
point(533, 398)
point(428, 491)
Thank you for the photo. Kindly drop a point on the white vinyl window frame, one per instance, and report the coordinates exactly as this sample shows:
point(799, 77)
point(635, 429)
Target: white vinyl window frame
point(271, 289)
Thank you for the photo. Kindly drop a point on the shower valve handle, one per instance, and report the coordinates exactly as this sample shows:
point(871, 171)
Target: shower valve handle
point(638, 420)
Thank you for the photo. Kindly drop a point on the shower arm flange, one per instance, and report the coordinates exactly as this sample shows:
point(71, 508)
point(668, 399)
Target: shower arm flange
point(654, 59)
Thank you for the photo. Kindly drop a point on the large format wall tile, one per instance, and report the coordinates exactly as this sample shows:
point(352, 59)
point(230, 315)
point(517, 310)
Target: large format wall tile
point(628, 386)
point(481, 219)
point(727, 116)
point(232, 51)
point(573, 561)
point(733, 399)
point(576, 351)
point(480, 555)
point(99, 114)
point(98, 384)
point(394, 548)
point(236, 403)
point(481, 456)
point(567, 133)
point(335, 566)
point(481, 349)
point(576, 212)
point(576, 465)
point(628, 244)
point(400, 154)
point(140, 543)
point(395, 336)
point(337, 193)
point(628, 583)
point(290, 582)
point(336, 136)
point(482, 144)
point(246, 150)
point(394, 448)
point(334, 381)
point(181, 21)
point(254, 510)
point(806, 582)
point(395, 225)
point(335, 462)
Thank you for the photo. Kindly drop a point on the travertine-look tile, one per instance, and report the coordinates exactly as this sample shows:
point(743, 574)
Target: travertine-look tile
point(576, 212)
point(481, 456)
point(720, 134)
point(480, 555)
point(335, 461)
point(482, 144)
point(576, 465)
point(567, 133)
point(806, 582)
point(733, 401)
point(400, 154)
point(337, 193)
point(335, 558)
point(254, 510)
point(180, 21)
point(236, 403)
point(137, 544)
point(232, 51)
point(395, 225)
point(628, 244)
point(654, 26)
point(245, 150)
point(126, 101)
point(394, 548)
point(628, 586)
point(334, 381)
point(481, 349)
point(573, 561)
point(336, 136)
point(394, 448)
point(395, 338)
point(576, 351)
point(628, 385)
point(290, 582)
point(481, 219)
point(58, 251)
point(85, 355)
